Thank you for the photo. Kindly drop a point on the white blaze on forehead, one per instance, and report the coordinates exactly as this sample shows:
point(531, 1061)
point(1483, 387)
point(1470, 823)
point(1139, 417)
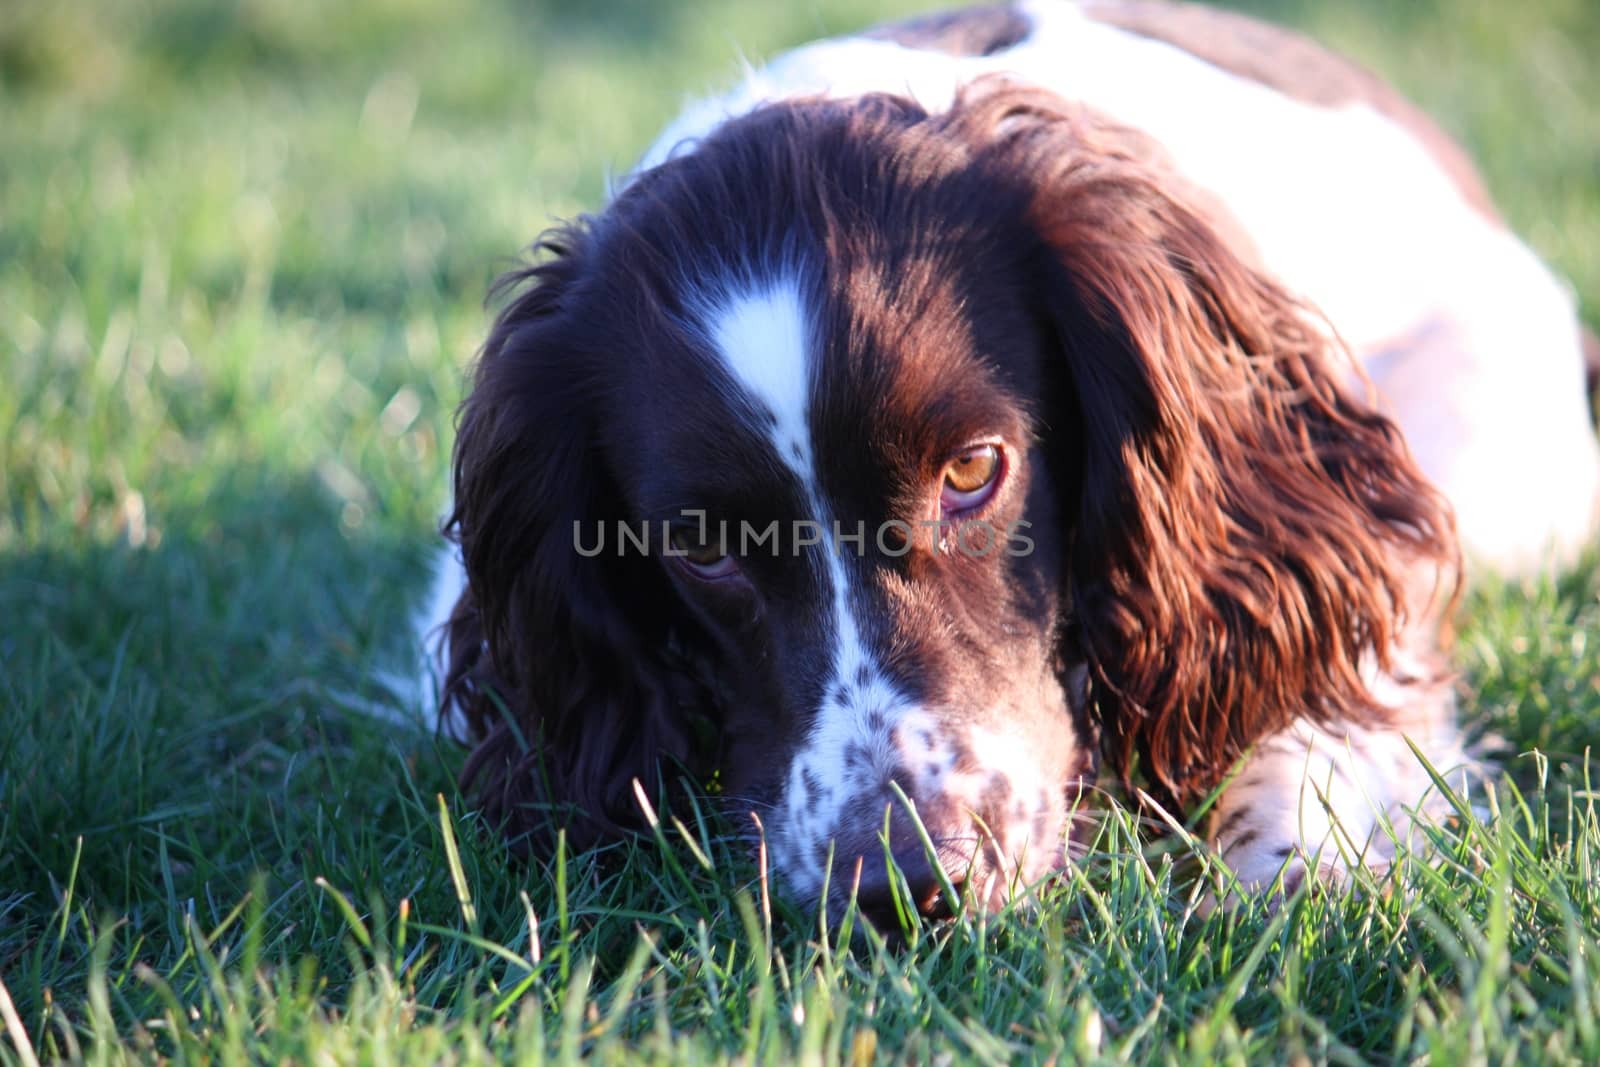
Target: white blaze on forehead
point(766, 339)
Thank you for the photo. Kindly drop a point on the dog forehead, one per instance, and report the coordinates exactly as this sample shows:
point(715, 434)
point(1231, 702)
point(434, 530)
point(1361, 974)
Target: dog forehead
point(855, 393)
point(821, 380)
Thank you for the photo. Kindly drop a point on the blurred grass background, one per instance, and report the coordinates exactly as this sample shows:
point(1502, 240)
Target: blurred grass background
point(243, 248)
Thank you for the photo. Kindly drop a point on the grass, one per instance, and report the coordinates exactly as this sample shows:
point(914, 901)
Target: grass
point(243, 246)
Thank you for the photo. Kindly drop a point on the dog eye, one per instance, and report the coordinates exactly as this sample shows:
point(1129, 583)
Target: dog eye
point(970, 479)
point(703, 558)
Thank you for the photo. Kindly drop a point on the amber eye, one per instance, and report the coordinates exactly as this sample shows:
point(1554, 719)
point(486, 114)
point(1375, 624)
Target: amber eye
point(704, 557)
point(970, 479)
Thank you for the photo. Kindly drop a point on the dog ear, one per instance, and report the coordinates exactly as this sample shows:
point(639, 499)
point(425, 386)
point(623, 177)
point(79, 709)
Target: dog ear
point(565, 666)
point(1248, 531)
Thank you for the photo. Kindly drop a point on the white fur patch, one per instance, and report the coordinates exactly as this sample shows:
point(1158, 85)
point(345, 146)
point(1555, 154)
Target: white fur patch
point(415, 687)
point(449, 582)
point(765, 340)
point(1330, 798)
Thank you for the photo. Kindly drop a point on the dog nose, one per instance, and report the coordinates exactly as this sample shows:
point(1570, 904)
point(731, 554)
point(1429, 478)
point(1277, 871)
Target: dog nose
point(947, 849)
point(917, 887)
point(935, 848)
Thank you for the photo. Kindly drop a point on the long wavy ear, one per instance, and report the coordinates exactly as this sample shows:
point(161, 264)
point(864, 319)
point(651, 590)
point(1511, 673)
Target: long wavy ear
point(565, 666)
point(1248, 533)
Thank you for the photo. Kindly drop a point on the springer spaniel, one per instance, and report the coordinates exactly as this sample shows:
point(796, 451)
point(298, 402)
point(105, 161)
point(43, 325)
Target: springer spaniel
point(953, 406)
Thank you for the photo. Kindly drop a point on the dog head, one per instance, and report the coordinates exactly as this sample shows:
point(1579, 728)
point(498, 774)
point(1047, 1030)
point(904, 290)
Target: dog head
point(859, 451)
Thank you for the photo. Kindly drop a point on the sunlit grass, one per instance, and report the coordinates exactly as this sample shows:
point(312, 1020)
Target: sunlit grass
point(243, 246)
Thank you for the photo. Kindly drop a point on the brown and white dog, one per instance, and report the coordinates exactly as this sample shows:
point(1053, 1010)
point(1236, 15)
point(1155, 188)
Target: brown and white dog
point(951, 406)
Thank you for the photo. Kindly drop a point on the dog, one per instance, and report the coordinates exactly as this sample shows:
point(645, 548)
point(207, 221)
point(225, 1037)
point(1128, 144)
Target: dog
point(953, 409)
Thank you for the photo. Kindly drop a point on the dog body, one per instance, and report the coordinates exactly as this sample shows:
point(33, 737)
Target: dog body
point(977, 396)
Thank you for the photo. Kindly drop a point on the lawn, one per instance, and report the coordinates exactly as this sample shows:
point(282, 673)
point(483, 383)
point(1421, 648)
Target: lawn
point(243, 249)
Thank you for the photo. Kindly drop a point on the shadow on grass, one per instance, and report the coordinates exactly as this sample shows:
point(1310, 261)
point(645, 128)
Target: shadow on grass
point(184, 708)
point(181, 757)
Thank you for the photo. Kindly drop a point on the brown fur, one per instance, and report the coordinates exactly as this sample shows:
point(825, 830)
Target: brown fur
point(1248, 529)
point(573, 690)
point(974, 31)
